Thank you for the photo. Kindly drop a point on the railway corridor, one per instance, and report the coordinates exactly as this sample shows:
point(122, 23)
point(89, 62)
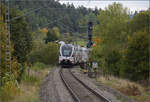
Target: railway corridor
point(81, 92)
point(53, 88)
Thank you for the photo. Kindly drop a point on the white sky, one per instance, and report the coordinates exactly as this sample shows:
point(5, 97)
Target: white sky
point(131, 4)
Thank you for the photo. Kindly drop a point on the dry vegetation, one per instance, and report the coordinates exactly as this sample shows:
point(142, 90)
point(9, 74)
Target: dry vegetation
point(30, 85)
point(134, 90)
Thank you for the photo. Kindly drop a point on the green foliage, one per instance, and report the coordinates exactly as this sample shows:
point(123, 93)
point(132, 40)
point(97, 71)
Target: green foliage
point(53, 35)
point(136, 57)
point(81, 43)
point(8, 83)
point(37, 39)
point(140, 22)
point(112, 27)
point(9, 89)
point(15, 67)
point(112, 32)
point(52, 14)
point(83, 21)
point(112, 61)
point(47, 54)
point(20, 36)
point(38, 65)
point(30, 79)
point(124, 47)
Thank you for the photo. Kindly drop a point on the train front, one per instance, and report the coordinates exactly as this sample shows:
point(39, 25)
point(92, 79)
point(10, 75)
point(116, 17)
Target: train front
point(66, 55)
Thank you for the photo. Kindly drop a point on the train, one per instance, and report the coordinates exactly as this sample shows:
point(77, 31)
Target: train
point(71, 55)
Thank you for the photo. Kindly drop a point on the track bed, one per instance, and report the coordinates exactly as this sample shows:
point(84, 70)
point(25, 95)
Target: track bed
point(79, 92)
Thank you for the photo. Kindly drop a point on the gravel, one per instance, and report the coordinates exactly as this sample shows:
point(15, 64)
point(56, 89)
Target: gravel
point(83, 93)
point(52, 88)
point(104, 90)
point(63, 93)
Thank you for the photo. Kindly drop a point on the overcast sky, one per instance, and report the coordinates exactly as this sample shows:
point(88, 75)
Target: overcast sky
point(131, 4)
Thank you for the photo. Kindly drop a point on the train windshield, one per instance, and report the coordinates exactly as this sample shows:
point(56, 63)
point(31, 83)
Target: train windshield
point(67, 51)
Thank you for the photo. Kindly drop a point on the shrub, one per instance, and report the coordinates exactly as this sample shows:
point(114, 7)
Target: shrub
point(9, 88)
point(38, 65)
point(47, 54)
point(136, 57)
point(31, 78)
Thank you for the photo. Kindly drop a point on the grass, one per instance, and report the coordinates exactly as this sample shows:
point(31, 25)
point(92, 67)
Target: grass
point(30, 79)
point(134, 90)
point(30, 85)
point(121, 99)
point(82, 43)
point(37, 66)
point(29, 93)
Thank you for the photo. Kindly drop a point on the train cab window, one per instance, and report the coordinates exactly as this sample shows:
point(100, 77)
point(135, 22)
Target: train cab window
point(67, 50)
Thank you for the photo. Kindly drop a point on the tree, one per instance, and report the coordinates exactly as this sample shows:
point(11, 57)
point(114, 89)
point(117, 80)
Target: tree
point(53, 35)
point(21, 39)
point(47, 54)
point(112, 31)
point(20, 36)
point(56, 32)
point(136, 57)
point(68, 14)
point(84, 20)
point(140, 22)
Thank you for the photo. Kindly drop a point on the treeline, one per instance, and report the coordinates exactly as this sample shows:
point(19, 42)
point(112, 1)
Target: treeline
point(123, 50)
point(50, 13)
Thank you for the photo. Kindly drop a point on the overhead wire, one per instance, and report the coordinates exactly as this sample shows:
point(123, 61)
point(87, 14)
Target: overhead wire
point(31, 11)
point(25, 14)
point(52, 22)
point(47, 6)
point(34, 10)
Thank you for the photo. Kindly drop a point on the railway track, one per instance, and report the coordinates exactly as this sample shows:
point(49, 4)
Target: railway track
point(80, 91)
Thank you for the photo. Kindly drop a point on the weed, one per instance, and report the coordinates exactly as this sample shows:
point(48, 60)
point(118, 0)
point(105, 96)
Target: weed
point(30, 79)
point(37, 66)
point(9, 91)
point(131, 89)
point(30, 86)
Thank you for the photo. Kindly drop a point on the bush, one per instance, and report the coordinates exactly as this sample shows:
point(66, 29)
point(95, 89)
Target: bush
point(136, 57)
point(38, 65)
point(108, 61)
point(112, 62)
point(9, 89)
point(47, 54)
point(31, 79)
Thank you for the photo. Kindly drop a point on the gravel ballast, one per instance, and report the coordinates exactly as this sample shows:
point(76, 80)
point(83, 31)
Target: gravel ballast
point(52, 88)
point(106, 91)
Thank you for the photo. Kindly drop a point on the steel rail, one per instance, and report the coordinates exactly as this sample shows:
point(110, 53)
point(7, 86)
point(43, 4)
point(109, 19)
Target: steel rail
point(90, 89)
point(74, 96)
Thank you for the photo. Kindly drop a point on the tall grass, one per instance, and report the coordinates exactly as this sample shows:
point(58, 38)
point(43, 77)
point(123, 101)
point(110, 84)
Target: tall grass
point(30, 83)
point(129, 88)
point(38, 66)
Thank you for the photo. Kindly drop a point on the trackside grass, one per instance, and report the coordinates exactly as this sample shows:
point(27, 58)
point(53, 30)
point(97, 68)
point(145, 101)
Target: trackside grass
point(30, 84)
point(131, 89)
